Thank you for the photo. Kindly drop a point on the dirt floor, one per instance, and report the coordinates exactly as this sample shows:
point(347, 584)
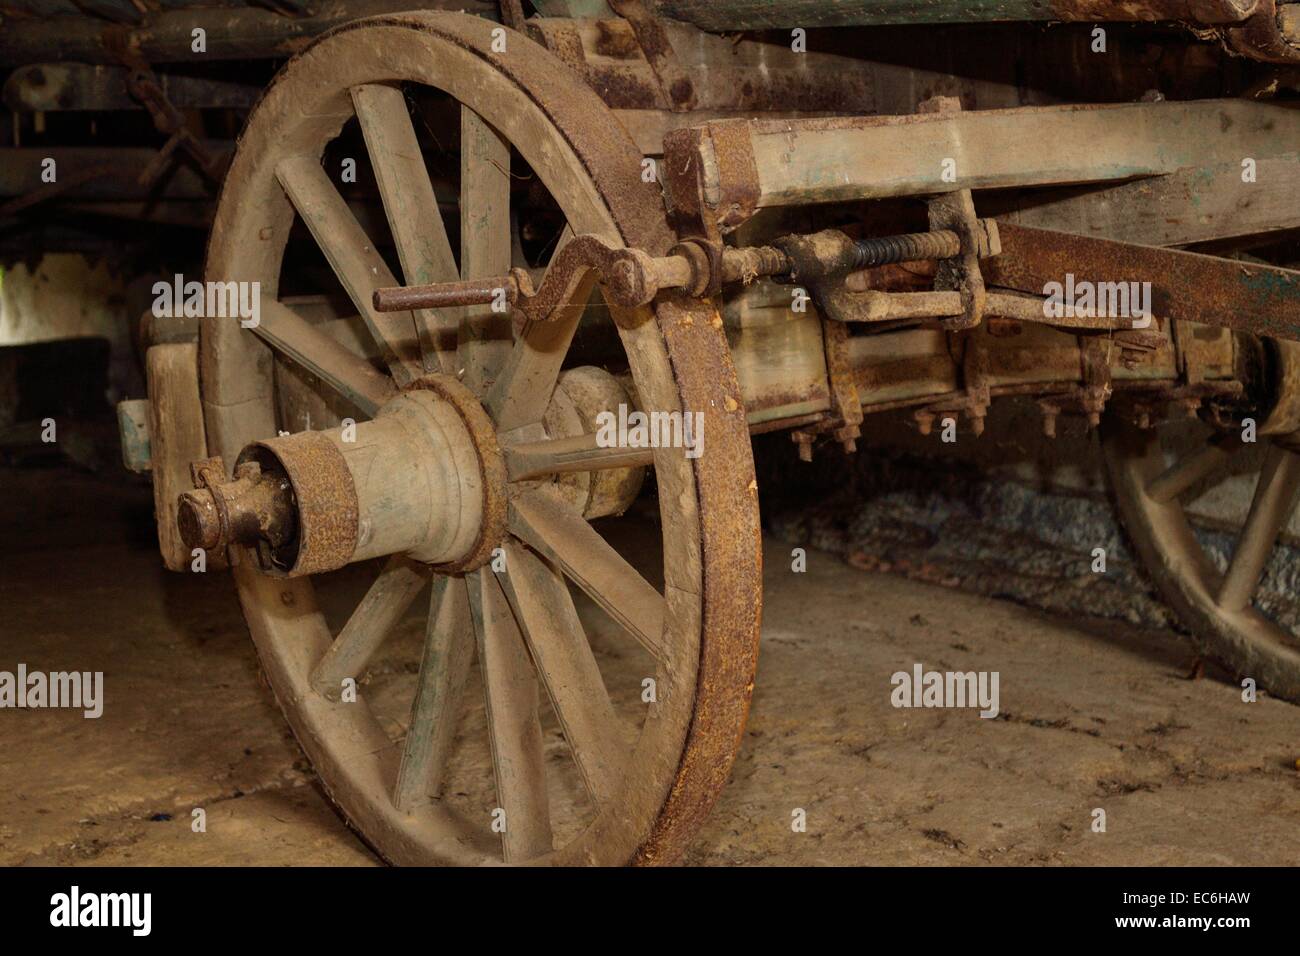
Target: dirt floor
point(1093, 715)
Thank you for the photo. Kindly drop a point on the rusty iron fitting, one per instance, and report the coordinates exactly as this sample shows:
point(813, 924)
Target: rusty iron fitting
point(256, 505)
point(911, 247)
point(748, 263)
point(425, 478)
point(440, 295)
point(628, 277)
point(832, 253)
point(817, 255)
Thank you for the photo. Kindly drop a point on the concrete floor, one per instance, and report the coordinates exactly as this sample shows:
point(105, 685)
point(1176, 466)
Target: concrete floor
point(1094, 715)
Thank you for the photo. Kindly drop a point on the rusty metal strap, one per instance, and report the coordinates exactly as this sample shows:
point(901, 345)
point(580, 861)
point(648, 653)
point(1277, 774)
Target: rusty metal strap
point(1184, 286)
point(710, 177)
point(653, 40)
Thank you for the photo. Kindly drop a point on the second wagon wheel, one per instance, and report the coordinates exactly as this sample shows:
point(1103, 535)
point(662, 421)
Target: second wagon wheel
point(1212, 589)
point(462, 458)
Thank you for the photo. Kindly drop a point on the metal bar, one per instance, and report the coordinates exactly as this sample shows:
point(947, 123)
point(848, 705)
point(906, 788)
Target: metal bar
point(442, 295)
point(1185, 286)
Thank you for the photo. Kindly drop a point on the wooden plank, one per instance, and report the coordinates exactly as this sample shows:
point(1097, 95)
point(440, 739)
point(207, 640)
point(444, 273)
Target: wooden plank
point(820, 160)
point(355, 261)
point(1190, 205)
point(412, 211)
point(735, 15)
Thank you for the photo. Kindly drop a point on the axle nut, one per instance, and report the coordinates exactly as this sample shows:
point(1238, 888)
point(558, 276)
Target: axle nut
point(197, 519)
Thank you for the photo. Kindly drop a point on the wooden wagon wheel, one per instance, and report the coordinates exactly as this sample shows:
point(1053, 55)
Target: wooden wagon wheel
point(520, 625)
point(1153, 487)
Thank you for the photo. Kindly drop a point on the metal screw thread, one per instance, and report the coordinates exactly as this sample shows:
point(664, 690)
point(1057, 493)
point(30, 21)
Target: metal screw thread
point(912, 247)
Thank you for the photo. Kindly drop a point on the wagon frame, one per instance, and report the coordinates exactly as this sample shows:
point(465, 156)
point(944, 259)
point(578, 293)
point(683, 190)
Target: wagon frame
point(756, 244)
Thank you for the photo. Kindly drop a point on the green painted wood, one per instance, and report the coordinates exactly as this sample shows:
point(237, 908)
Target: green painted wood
point(133, 426)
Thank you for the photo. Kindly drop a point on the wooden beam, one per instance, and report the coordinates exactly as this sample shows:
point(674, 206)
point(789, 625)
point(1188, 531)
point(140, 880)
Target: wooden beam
point(724, 171)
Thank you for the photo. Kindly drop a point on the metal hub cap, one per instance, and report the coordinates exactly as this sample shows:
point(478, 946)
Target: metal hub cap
point(425, 478)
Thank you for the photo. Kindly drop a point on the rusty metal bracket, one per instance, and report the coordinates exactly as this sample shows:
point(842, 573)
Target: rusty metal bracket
point(143, 85)
point(632, 277)
point(710, 178)
point(844, 418)
point(1184, 286)
point(628, 278)
point(823, 261)
point(512, 14)
point(975, 396)
point(956, 211)
point(254, 508)
point(653, 40)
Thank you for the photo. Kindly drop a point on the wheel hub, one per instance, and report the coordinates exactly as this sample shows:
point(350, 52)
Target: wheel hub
point(424, 478)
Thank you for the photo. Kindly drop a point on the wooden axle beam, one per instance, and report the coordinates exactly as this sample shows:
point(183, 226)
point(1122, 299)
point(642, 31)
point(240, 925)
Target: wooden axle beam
point(718, 174)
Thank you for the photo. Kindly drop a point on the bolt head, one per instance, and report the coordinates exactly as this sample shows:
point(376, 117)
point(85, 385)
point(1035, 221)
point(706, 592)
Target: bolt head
point(198, 520)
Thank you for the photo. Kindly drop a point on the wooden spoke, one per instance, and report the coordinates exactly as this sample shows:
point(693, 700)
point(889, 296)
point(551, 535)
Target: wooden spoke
point(354, 259)
point(579, 453)
point(1269, 510)
point(527, 379)
point(565, 538)
point(510, 689)
point(372, 621)
point(412, 211)
point(485, 336)
point(435, 713)
point(559, 647)
point(1186, 472)
point(333, 363)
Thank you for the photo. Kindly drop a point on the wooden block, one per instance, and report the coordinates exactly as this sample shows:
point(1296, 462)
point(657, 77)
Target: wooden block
point(177, 438)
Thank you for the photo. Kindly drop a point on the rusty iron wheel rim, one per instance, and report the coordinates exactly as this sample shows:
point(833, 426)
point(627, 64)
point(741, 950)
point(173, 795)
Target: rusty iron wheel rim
point(679, 357)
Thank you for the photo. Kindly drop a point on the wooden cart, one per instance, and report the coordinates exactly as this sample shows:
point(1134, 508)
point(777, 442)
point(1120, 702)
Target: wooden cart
point(601, 211)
